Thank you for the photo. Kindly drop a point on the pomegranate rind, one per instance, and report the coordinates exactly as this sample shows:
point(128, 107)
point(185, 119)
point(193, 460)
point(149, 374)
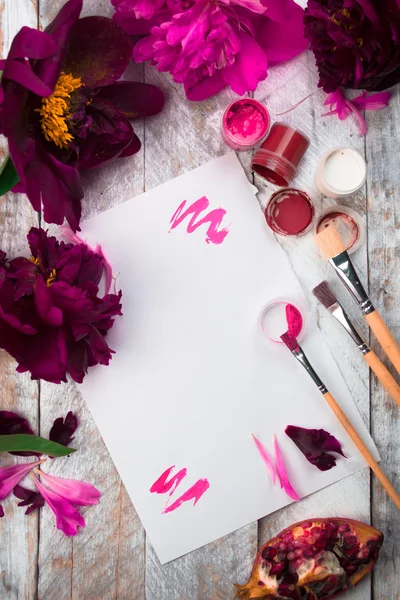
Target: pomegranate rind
point(260, 587)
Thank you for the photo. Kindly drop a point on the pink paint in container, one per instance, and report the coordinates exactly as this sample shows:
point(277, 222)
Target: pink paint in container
point(280, 315)
point(280, 154)
point(290, 212)
point(244, 124)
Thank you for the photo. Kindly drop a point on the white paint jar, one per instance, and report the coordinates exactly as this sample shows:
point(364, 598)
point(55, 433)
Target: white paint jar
point(340, 173)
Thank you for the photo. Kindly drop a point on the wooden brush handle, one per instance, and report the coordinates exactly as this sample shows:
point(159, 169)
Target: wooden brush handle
point(385, 338)
point(384, 376)
point(362, 448)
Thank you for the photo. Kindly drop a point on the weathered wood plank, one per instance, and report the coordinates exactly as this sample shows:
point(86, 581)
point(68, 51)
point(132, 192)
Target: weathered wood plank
point(384, 259)
point(106, 560)
point(18, 533)
point(285, 86)
point(185, 136)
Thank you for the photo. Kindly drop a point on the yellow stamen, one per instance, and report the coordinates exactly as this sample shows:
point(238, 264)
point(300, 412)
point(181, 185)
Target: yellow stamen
point(54, 112)
point(34, 260)
point(52, 278)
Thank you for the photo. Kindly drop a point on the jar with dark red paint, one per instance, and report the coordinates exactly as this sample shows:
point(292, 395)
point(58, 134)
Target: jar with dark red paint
point(279, 156)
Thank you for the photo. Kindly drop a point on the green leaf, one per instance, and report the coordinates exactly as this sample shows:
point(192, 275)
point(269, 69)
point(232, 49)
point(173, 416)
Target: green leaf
point(8, 176)
point(32, 443)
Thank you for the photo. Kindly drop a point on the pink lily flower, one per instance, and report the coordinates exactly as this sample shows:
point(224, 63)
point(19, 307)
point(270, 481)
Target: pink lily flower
point(68, 518)
point(12, 475)
point(75, 492)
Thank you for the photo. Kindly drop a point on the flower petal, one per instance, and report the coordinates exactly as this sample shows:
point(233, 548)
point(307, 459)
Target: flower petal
point(266, 458)
point(50, 314)
point(249, 67)
point(63, 430)
point(11, 423)
point(68, 518)
point(281, 43)
point(30, 498)
point(59, 29)
point(282, 473)
point(205, 88)
point(75, 492)
point(12, 475)
point(133, 98)
point(315, 445)
point(98, 51)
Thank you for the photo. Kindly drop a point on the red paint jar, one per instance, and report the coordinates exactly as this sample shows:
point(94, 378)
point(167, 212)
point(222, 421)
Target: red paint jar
point(290, 212)
point(279, 156)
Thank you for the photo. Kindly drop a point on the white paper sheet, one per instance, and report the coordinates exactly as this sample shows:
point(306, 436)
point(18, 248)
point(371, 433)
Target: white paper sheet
point(192, 379)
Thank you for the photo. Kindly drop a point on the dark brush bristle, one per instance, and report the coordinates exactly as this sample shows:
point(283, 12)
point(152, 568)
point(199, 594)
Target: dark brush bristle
point(290, 341)
point(324, 294)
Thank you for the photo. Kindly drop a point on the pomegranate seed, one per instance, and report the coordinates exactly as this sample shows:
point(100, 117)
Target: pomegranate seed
point(282, 546)
point(277, 569)
point(344, 528)
point(307, 525)
point(269, 553)
point(291, 556)
point(331, 526)
point(288, 537)
point(298, 544)
point(310, 540)
point(298, 552)
point(308, 553)
point(315, 531)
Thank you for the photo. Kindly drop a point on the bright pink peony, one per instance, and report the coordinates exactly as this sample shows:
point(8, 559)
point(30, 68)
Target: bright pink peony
point(208, 45)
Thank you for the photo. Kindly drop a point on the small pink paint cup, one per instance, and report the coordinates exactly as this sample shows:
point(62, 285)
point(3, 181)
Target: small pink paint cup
point(245, 124)
point(273, 322)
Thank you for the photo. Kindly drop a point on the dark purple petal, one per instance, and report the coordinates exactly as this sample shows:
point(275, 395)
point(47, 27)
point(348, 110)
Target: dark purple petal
point(1, 511)
point(11, 423)
point(63, 429)
point(98, 51)
point(133, 99)
point(132, 148)
point(59, 29)
point(110, 134)
point(23, 272)
point(29, 498)
point(315, 444)
point(50, 314)
point(29, 44)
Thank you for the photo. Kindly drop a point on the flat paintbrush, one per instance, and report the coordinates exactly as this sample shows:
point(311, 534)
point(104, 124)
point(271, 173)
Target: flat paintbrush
point(325, 295)
point(331, 244)
point(298, 353)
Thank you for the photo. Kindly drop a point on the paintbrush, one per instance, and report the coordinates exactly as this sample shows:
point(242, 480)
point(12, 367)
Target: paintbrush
point(331, 245)
point(325, 295)
point(299, 354)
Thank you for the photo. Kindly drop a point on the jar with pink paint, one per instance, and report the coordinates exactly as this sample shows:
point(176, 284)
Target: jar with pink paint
point(245, 124)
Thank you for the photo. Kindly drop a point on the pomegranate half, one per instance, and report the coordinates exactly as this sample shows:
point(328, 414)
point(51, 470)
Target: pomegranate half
point(313, 560)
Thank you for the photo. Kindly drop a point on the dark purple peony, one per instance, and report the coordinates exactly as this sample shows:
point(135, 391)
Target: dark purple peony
point(63, 110)
point(356, 43)
point(52, 320)
point(30, 498)
point(316, 444)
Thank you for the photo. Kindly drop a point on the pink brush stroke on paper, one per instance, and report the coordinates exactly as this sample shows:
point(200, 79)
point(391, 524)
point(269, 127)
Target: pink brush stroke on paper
point(282, 473)
point(266, 458)
point(214, 218)
point(193, 493)
point(165, 484)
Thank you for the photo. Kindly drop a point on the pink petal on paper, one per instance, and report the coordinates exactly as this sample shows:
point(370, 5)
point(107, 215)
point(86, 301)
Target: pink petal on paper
point(266, 458)
point(77, 493)
point(282, 473)
point(68, 518)
point(12, 475)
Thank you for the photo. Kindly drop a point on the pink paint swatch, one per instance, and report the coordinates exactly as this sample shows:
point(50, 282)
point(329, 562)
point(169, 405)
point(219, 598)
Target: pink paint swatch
point(165, 484)
point(214, 218)
point(193, 493)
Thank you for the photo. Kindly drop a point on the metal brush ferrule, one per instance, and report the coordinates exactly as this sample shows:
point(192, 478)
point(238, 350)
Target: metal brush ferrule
point(303, 360)
point(347, 273)
point(340, 315)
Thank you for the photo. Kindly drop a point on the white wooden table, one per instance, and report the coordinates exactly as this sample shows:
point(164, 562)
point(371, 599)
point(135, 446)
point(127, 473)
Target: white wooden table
point(112, 558)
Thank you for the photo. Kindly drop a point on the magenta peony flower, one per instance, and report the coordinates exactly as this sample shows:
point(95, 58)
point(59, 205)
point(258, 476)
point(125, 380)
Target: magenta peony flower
point(356, 43)
point(63, 111)
point(207, 45)
point(52, 320)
